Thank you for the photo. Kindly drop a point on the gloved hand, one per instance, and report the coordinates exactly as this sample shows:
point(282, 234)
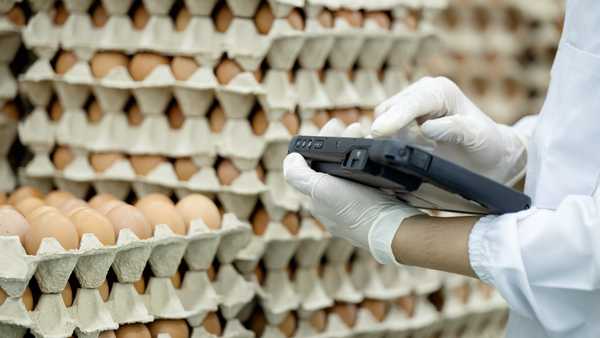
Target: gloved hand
point(364, 216)
point(462, 132)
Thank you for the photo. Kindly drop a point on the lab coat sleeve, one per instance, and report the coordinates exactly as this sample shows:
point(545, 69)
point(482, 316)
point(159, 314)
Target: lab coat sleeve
point(545, 263)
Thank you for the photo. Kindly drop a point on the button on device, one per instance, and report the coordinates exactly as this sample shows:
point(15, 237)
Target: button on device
point(310, 142)
point(318, 144)
point(298, 143)
point(303, 144)
point(420, 159)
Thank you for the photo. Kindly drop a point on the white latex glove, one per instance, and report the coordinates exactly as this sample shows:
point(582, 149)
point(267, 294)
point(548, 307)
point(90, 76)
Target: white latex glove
point(362, 215)
point(462, 133)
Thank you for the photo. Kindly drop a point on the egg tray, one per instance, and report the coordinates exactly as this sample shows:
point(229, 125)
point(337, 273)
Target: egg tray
point(90, 315)
point(280, 47)
point(52, 266)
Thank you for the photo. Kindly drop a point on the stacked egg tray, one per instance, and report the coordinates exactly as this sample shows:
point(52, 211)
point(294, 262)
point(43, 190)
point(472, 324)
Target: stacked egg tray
point(500, 53)
point(11, 23)
point(269, 284)
point(340, 71)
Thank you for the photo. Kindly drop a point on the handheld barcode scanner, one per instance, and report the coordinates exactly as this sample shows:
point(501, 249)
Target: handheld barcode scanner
point(411, 174)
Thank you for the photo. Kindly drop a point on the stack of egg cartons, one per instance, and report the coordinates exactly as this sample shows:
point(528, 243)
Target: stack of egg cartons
point(500, 53)
point(164, 98)
point(12, 20)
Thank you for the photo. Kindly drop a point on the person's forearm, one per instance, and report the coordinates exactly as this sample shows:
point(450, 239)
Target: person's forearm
point(435, 243)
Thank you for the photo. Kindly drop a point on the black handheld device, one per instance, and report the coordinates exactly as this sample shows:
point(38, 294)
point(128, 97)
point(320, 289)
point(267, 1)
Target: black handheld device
point(411, 174)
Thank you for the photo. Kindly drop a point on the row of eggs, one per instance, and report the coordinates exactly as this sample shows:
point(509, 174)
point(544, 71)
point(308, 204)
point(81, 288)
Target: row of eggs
point(33, 217)
point(222, 17)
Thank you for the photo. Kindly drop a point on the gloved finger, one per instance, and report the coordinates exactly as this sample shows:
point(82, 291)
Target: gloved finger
point(454, 129)
point(298, 174)
point(428, 97)
point(353, 130)
point(333, 128)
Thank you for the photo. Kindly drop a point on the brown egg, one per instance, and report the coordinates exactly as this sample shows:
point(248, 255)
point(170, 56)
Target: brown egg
point(23, 193)
point(291, 221)
point(407, 304)
point(102, 161)
point(223, 18)
point(142, 64)
point(125, 216)
point(258, 323)
point(288, 325)
point(88, 220)
point(264, 18)
point(28, 205)
point(259, 122)
point(71, 205)
point(183, 19)
point(99, 200)
point(369, 113)
point(176, 328)
point(260, 173)
point(320, 119)
point(55, 110)
point(176, 117)
point(212, 274)
point(347, 116)
point(227, 172)
point(217, 119)
point(352, 17)
point(381, 18)
point(325, 18)
point(144, 164)
point(16, 15)
point(10, 110)
point(3, 199)
point(378, 308)
point(260, 221)
point(99, 16)
point(227, 70)
point(196, 206)
point(135, 116)
point(94, 113)
point(160, 210)
point(140, 286)
point(67, 295)
point(258, 75)
point(57, 197)
point(260, 275)
point(347, 313)
point(27, 299)
point(64, 62)
point(185, 168)
point(183, 67)
point(62, 157)
point(291, 122)
point(104, 290)
point(296, 20)
point(12, 223)
point(140, 17)
point(47, 222)
point(318, 320)
point(176, 280)
point(133, 331)
point(61, 14)
point(102, 63)
point(107, 334)
point(3, 296)
point(212, 324)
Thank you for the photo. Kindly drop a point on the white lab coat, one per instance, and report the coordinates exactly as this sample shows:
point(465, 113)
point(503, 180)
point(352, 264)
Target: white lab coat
point(546, 261)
